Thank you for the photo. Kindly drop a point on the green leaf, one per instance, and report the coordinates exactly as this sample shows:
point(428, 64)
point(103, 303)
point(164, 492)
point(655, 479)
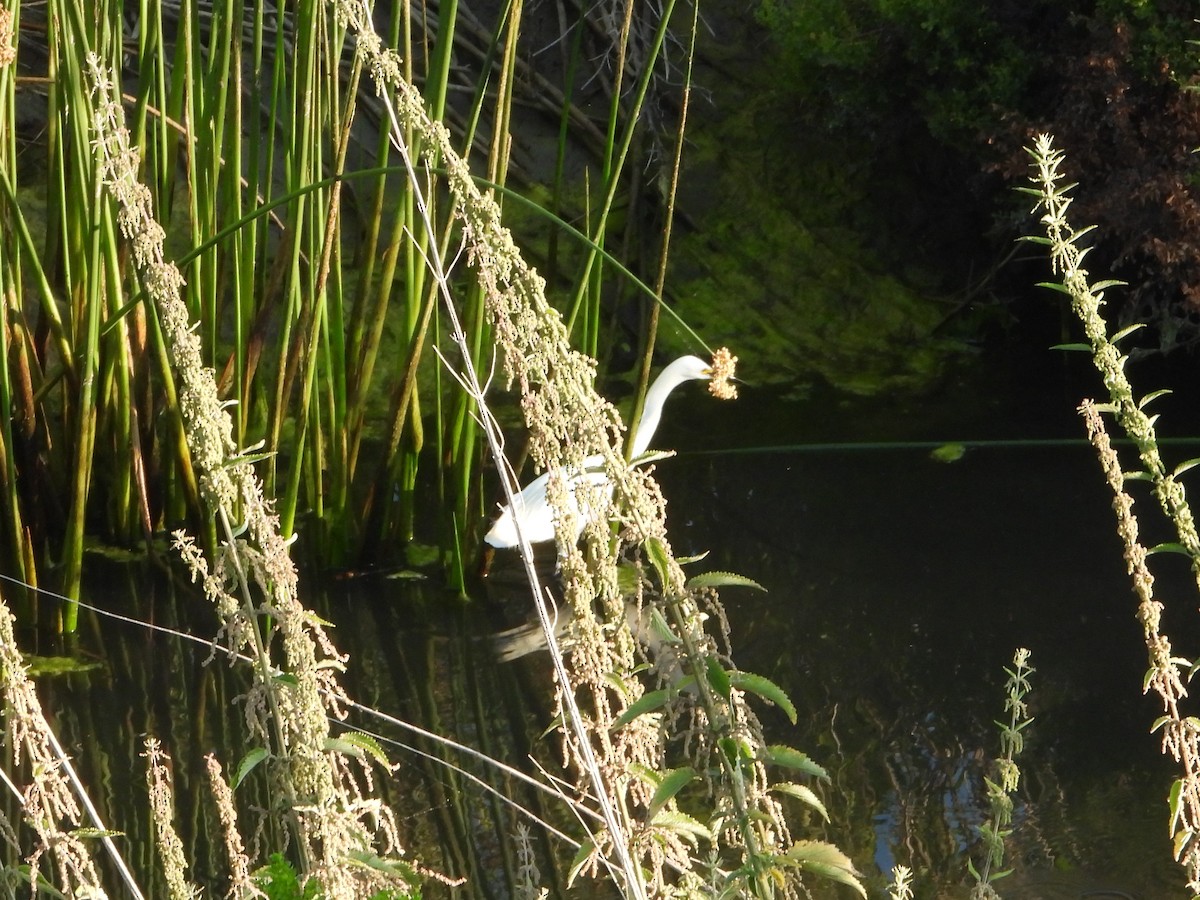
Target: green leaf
point(948, 453)
point(735, 750)
point(658, 557)
point(1127, 330)
point(804, 794)
point(765, 688)
point(387, 865)
point(1081, 348)
point(364, 743)
point(672, 784)
point(1054, 286)
point(718, 678)
point(1184, 466)
point(1168, 547)
point(826, 860)
point(1152, 396)
point(628, 577)
point(723, 579)
point(648, 702)
point(93, 833)
point(789, 758)
point(248, 764)
point(582, 855)
point(683, 825)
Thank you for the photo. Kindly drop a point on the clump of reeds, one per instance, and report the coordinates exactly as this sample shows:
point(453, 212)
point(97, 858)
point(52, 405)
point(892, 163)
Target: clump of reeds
point(1168, 672)
point(616, 731)
point(345, 839)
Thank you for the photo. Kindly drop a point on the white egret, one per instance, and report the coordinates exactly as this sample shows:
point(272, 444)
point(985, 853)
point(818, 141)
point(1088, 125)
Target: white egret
point(531, 509)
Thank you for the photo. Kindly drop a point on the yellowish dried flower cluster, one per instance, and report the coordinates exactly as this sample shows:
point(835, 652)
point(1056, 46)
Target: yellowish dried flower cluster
point(723, 365)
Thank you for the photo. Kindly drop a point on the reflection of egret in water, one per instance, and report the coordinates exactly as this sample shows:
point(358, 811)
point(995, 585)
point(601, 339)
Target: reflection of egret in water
point(531, 511)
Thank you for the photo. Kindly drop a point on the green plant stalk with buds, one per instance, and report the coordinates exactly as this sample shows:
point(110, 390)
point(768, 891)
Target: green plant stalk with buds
point(335, 824)
point(1168, 673)
point(614, 737)
point(1000, 790)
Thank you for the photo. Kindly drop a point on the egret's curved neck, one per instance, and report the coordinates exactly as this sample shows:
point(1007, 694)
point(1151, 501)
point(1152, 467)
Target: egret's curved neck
point(656, 397)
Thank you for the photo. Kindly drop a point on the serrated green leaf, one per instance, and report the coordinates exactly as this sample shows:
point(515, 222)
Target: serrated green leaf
point(582, 855)
point(789, 758)
point(658, 558)
point(688, 560)
point(722, 579)
point(826, 860)
point(765, 688)
point(674, 781)
point(804, 794)
point(1185, 466)
point(287, 678)
point(1127, 330)
point(250, 458)
point(1152, 396)
point(718, 678)
point(364, 743)
point(648, 702)
point(682, 824)
point(247, 765)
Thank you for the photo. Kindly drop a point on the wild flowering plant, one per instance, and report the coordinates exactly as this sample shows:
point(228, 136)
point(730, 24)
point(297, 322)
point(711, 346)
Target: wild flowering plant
point(1001, 788)
point(1168, 673)
point(617, 728)
point(345, 838)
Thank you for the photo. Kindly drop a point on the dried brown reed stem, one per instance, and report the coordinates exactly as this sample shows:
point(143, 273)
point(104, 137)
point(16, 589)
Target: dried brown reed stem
point(326, 793)
point(1166, 674)
point(567, 421)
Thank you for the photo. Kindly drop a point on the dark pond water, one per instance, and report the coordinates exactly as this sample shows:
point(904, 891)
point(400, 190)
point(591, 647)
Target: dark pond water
point(898, 589)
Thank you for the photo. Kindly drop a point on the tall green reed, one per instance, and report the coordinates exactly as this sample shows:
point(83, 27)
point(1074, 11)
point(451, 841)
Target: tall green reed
point(615, 731)
point(318, 317)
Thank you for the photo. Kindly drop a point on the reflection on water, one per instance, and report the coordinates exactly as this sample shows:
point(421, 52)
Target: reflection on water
point(898, 589)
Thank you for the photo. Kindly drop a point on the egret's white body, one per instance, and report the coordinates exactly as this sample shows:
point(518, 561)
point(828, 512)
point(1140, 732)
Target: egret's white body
point(531, 509)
